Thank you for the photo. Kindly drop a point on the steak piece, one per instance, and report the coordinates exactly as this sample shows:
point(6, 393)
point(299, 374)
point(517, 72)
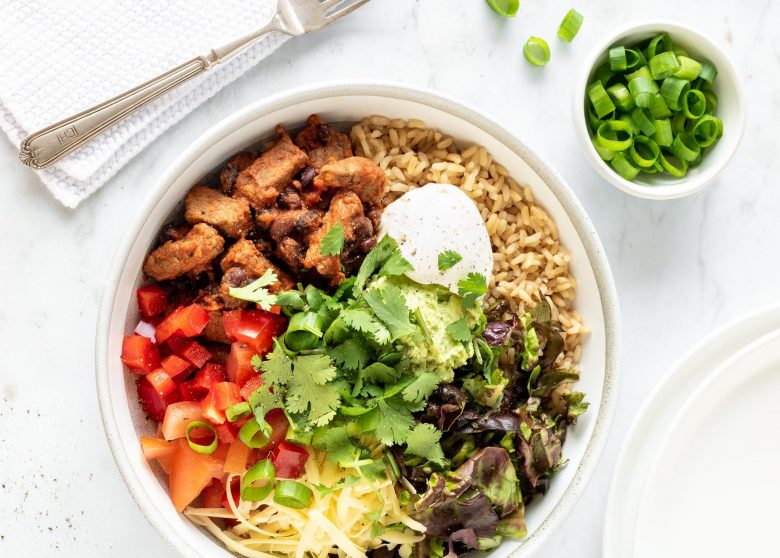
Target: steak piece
point(192, 254)
point(323, 143)
point(206, 205)
point(345, 208)
point(245, 256)
point(229, 173)
point(356, 174)
point(262, 181)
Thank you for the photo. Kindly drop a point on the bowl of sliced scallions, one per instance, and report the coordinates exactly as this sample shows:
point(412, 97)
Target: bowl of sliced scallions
point(659, 109)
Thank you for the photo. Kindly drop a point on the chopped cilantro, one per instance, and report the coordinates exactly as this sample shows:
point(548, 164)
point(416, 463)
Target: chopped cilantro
point(256, 291)
point(333, 242)
point(395, 265)
point(448, 259)
point(308, 389)
point(379, 373)
point(421, 387)
point(423, 441)
point(277, 367)
point(389, 305)
point(349, 481)
point(351, 354)
point(395, 422)
point(374, 260)
point(471, 287)
point(363, 321)
point(337, 443)
point(459, 331)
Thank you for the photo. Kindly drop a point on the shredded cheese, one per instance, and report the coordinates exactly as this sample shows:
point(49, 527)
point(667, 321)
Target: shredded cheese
point(346, 521)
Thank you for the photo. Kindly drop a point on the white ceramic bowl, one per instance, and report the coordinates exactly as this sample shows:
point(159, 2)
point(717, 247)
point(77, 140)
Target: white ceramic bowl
point(730, 109)
point(122, 417)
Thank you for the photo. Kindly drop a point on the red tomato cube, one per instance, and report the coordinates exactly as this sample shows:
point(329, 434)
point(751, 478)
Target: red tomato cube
point(289, 460)
point(152, 403)
point(251, 385)
point(188, 321)
point(190, 350)
point(239, 363)
point(256, 328)
point(140, 354)
point(174, 365)
point(161, 382)
point(152, 300)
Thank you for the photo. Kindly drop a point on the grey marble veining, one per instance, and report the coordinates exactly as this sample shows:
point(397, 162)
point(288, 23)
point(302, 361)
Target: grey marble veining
point(682, 267)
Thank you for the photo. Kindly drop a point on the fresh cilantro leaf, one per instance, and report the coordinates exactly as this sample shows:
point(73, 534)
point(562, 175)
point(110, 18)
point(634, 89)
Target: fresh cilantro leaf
point(345, 289)
point(379, 373)
point(395, 265)
point(291, 299)
point(262, 398)
point(257, 362)
point(309, 390)
point(374, 260)
point(351, 354)
point(448, 259)
point(423, 441)
point(459, 330)
point(256, 291)
point(395, 422)
point(349, 481)
point(421, 388)
point(471, 287)
point(277, 367)
point(375, 471)
point(338, 445)
point(395, 389)
point(389, 305)
point(333, 242)
point(364, 322)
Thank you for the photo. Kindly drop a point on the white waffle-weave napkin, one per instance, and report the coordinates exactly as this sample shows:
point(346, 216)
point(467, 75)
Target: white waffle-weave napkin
point(60, 57)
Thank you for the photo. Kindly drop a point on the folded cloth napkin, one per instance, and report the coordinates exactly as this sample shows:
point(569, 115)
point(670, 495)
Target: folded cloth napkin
point(59, 58)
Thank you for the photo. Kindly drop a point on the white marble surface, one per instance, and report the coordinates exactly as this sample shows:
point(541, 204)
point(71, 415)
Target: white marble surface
point(682, 267)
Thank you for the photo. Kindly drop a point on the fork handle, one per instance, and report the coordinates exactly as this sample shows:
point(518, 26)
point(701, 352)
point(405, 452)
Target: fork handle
point(47, 146)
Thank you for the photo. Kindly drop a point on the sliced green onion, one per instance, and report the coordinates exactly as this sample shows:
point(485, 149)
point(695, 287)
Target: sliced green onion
point(605, 75)
point(604, 153)
point(631, 124)
point(644, 152)
point(238, 411)
point(659, 108)
point(694, 104)
point(623, 167)
point(679, 51)
point(708, 73)
point(668, 164)
point(673, 90)
point(258, 482)
point(642, 87)
point(642, 122)
point(712, 100)
point(621, 97)
point(207, 449)
point(570, 25)
point(658, 44)
point(706, 130)
point(304, 331)
point(506, 8)
point(600, 100)
point(663, 65)
point(253, 434)
point(663, 133)
point(634, 59)
point(615, 135)
point(292, 494)
point(536, 51)
point(689, 68)
point(684, 148)
point(618, 60)
point(594, 120)
point(678, 123)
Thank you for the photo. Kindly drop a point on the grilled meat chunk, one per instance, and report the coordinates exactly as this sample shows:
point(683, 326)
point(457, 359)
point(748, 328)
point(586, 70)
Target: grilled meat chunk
point(229, 173)
point(245, 256)
point(262, 181)
point(345, 208)
point(206, 205)
point(323, 143)
point(215, 329)
point(192, 254)
point(356, 174)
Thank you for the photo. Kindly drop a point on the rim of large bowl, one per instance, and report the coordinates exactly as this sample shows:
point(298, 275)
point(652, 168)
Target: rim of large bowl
point(434, 99)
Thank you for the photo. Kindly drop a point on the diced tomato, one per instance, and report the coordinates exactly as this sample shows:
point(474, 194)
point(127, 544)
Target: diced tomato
point(279, 424)
point(139, 354)
point(221, 396)
point(155, 447)
point(210, 411)
point(177, 416)
point(256, 328)
point(251, 385)
point(189, 391)
point(189, 350)
point(235, 492)
point(227, 432)
point(209, 375)
point(235, 460)
point(152, 300)
point(239, 363)
point(213, 493)
point(188, 321)
point(174, 365)
point(275, 309)
point(289, 460)
point(151, 401)
point(162, 383)
point(191, 472)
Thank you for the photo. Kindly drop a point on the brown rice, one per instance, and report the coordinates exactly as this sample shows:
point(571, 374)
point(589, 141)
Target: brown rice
point(528, 257)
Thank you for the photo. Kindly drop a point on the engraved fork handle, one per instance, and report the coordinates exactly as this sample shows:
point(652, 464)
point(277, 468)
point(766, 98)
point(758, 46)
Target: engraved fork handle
point(49, 145)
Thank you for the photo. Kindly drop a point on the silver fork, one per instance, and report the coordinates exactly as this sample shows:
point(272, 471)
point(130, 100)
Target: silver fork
point(292, 17)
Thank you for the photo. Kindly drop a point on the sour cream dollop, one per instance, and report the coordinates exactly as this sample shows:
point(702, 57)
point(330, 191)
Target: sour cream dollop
point(433, 219)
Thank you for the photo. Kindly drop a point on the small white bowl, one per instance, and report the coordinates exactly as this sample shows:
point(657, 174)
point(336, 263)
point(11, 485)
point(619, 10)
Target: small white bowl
point(730, 109)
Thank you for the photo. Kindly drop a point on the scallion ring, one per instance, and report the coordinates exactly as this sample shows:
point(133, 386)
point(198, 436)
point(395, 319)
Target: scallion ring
point(258, 482)
point(506, 8)
point(706, 130)
point(659, 108)
point(669, 166)
point(644, 152)
point(643, 87)
point(600, 100)
point(536, 51)
point(673, 90)
point(641, 120)
point(623, 167)
point(679, 122)
point(689, 68)
point(292, 494)
point(238, 411)
point(304, 331)
point(621, 97)
point(712, 100)
point(684, 148)
point(708, 73)
point(694, 104)
point(618, 60)
point(663, 135)
point(253, 434)
point(658, 44)
point(570, 25)
point(594, 120)
point(663, 65)
point(614, 135)
point(604, 153)
point(206, 449)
